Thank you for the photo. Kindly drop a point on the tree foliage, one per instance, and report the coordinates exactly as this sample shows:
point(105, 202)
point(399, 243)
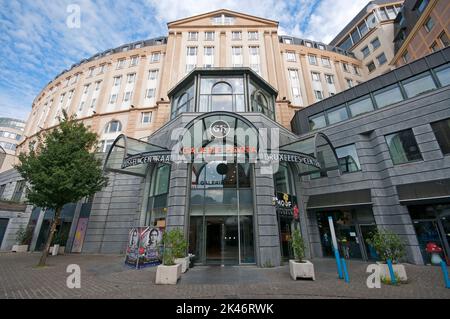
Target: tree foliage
point(298, 246)
point(62, 168)
point(388, 245)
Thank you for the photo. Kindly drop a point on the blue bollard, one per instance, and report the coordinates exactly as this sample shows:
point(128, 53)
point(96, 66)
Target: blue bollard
point(338, 263)
point(391, 272)
point(344, 267)
point(444, 270)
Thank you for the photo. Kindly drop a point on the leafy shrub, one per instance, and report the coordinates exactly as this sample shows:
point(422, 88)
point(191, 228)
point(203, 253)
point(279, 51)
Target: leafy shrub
point(24, 235)
point(174, 246)
point(298, 246)
point(388, 245)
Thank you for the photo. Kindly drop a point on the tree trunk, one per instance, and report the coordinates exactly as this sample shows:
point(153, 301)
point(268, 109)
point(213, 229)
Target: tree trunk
point(50, 237)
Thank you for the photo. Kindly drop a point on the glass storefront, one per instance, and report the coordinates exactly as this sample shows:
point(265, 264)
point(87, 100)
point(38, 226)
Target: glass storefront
point(221, 213)
point(352, 228)
point(157, 201)
point(432, 226)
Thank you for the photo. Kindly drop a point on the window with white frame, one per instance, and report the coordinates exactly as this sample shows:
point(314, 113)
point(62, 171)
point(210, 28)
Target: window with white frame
point(113, 127)
point(127, 96)
point(121, 63)
point(236, 35)
point(312, 59)
point(236, 57)
point(253, 35)
point(81, 106)
point(209, 36)
point(113, 98)
point(93, 101)
point(150, 93)
point(191, 59)
point(146, 117)
point(86, 89)
point(208, 57)
point(254, 58)
point(326, 62)
point(290, 56)
point(315, 76)
point(155, 57)
point(153, 75)
point(131, 77)
point(117, 80)
point(134, 60)
point(345, 67)
point(318, 94)
point(295, 86)
point(349, 83)
point(192, 36)
point(97, 85)
point(91, 71)
point(329, 78)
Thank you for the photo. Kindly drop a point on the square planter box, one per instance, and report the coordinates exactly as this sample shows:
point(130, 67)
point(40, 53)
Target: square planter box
point(168, 275)
point(301, 270)
point(184, 262)
point(19, 248)
point(399, 270)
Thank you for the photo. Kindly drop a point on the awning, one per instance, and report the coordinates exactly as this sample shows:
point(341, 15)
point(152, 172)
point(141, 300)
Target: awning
point(431, 191)
point(341, 199)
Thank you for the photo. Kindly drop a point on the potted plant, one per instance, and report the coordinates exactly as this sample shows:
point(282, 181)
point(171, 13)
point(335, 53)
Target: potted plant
point(389, 246)
point(179, 250)
point(169, 272)
point(23, 239)
point(59, 244)
point(299, 267)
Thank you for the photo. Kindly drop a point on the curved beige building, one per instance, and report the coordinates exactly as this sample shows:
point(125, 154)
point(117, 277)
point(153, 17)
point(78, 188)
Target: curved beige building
point(124, 90)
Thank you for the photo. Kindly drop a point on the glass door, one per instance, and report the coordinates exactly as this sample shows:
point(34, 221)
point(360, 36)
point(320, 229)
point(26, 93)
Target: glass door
point(445, 231)
point(428, 232)
point(222, 246)
point(366, 233)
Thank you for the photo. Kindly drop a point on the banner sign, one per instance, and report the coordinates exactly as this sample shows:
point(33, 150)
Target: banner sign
point(286, 205)
point(144, 247)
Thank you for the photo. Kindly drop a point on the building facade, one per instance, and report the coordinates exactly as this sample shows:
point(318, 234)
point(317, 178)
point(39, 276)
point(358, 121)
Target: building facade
point(420, 28)
point(219, 129)
point(370, 35)
point(11, 132)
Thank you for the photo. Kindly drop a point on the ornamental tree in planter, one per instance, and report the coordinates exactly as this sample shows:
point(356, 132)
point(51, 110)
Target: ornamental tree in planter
point(299, 267)
point(23, 239)
point(179, 251)
point(389, 246)
point(169, 272)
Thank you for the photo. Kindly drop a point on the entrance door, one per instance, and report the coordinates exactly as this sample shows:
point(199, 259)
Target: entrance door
point(222, 241)
point(366, 233)
point(427, 231)
point(3, 226)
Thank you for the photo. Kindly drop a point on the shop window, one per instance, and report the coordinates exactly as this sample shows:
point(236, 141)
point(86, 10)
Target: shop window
point(159, 190)
point(403, 147)
point(419, 84)
point(337, 114)
point(441, 130)
point(360, 106)
point(443, 74)
point(348, 159)
point(388, 96)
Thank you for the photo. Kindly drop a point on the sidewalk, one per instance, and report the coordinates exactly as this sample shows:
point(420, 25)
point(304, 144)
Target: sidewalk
point(106, 276)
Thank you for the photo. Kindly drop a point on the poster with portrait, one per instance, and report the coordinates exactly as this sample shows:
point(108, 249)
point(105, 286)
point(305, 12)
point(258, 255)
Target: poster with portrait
point(132, 251)
point(150, 248)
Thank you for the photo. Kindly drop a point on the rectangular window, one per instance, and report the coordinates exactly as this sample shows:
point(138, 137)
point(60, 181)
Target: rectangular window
point(2, 190)
point(421, 7)
point(365, 51)
point(208, 58)
point(290, 56)
point(347, 44)
point(444, 39)
point(363, 29)
point(375, 43)
point(134, 60)
point(150, 93)
point(381, 59)
point(329, 78)
point(113, 98)
point(360, 106)
point(91, 72)
point(117, 80)
point(18, 191)
point(388, 96)
point(80, 107)
point(443, 74)
point(321, 47)
point(356, 70)
point(236, 35)
point(209, 36)
point(391, 13)
point(337, 114)
point(429, 24)
point(127, 96)
point(93, 103)
point(348, 159)
point(403, 147)
point(326, 62)
point(154, 57)
point(191, 51)
point(345, 67)
point(315, 76)
point(153, 75)
point(318, 94)
point(441, 130)
point(349, 83)
point(418, 84)
point(86, 89)
point(312, 59)
point(434, 47)
point(405, 57)
point(192, 36)
point(287, 40)
point(355, 35)
point(308, 44)
point(371, 66)
point(253, 35)
point(317, 122)
point(236, 56)
point(120, 63)
point(146, 117)
point(97, 85)
point(131, 77)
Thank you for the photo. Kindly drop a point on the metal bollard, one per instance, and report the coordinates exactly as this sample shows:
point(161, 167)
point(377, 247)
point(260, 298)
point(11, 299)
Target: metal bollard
point(344, 267)
point(338, 263)
point(391, 272)
point(444, 270)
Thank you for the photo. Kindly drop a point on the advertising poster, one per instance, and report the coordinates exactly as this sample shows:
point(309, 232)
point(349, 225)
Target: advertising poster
point(79, 235)
point(144, 247)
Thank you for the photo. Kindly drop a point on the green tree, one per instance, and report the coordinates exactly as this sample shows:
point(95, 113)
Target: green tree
point(298, 246)
point(61, 168)
point(388, 245)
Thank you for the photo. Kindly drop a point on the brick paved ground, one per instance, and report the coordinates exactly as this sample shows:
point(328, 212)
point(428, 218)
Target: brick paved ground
point(105, 276)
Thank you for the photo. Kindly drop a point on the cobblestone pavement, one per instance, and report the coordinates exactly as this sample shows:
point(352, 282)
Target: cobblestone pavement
point(106, 276)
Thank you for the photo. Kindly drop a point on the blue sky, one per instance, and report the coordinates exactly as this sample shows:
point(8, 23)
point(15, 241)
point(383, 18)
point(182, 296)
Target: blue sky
point(37, 44)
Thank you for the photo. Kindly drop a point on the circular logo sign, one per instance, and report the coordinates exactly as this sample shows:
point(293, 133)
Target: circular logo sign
point(219, 129)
